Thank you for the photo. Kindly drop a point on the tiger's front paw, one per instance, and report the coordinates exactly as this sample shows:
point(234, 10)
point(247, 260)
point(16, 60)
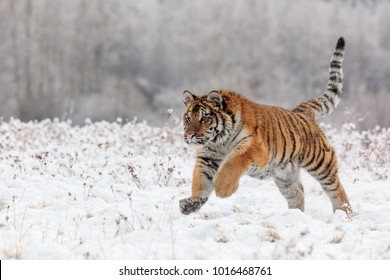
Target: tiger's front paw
point(191, 204)
point(224, 187)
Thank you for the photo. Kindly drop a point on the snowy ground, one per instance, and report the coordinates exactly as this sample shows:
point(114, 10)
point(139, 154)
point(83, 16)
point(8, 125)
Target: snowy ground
point(111, 191)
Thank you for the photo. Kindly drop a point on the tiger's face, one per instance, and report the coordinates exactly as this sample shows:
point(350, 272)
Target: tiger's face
point(200, 118)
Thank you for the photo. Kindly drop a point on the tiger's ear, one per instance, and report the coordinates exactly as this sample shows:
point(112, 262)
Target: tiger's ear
point(188, 97)
point(215, 98)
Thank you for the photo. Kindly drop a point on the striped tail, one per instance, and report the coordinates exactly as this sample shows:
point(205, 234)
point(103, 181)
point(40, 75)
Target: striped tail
point(326, 103)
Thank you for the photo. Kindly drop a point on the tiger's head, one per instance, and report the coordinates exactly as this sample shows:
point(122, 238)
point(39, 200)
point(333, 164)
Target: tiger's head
point(202, 118)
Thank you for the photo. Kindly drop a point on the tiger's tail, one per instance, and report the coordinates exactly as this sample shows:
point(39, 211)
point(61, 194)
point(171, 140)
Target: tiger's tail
point(327, 102)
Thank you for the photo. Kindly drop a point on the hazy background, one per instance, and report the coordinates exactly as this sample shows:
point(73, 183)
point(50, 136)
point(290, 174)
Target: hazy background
point(102, 59)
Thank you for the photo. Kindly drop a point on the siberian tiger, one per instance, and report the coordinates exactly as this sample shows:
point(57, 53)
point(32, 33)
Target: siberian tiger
point(234, 136)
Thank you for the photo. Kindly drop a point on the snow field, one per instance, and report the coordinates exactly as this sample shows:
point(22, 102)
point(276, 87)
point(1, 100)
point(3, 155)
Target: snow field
point(111, 191)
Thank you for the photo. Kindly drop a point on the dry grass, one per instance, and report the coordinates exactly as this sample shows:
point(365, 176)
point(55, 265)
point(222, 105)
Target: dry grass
point(336, 238)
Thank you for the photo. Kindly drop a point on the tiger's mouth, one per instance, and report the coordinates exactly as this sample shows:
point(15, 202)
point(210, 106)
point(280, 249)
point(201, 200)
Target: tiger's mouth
point(196, 140)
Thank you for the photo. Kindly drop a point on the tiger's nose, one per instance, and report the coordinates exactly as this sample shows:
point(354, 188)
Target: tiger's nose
point(189, 135)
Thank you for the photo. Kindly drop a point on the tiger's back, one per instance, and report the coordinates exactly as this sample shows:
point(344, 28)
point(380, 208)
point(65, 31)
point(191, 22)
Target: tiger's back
point(234, 136)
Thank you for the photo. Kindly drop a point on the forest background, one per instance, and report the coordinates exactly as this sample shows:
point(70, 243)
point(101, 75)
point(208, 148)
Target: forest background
point(101, 60)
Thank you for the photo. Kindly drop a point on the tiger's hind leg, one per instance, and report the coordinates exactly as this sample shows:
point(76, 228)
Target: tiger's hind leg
point(324, 169)
point(289, 184)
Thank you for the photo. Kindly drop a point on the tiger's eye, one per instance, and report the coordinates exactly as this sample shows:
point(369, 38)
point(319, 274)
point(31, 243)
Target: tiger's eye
point(204, 118)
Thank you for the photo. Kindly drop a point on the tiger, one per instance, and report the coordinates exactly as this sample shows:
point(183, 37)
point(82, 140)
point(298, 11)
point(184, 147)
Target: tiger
point(234, 136)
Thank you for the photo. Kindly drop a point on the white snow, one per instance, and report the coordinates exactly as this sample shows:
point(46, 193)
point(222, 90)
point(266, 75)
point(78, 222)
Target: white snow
point(112, 190)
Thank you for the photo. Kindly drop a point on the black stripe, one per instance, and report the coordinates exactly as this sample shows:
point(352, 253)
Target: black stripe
point(275, 144)
point(234, 138)
point(288, 130)
point(211, 150)
point(268, 139)
point(324, 175)
point(329, 98)
point(308, 137)
point(208, 176)
point(326, 107)
point(292, 135)
point(233, 119)
point(319, 164)
point(334, 189)
point(330, 179)
point(217, 129)
point(209, 162)
point(224, 102)
point(309, 107)
point(284, 140)
point(204, 159)
point(284, 147)
point(316, 145)
point(315, 103)
point(321, 144)
point(311, 148)
point(306, 134)
point(216, 122)
point(215, 165)
point(303, 120)
point(223, 122)
point(335, 64)
point(328, 168)
point(242, 140)
point(312, 108)
point(195, 109)
point(299, 109)
point(333, 88)
point(329, 183)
